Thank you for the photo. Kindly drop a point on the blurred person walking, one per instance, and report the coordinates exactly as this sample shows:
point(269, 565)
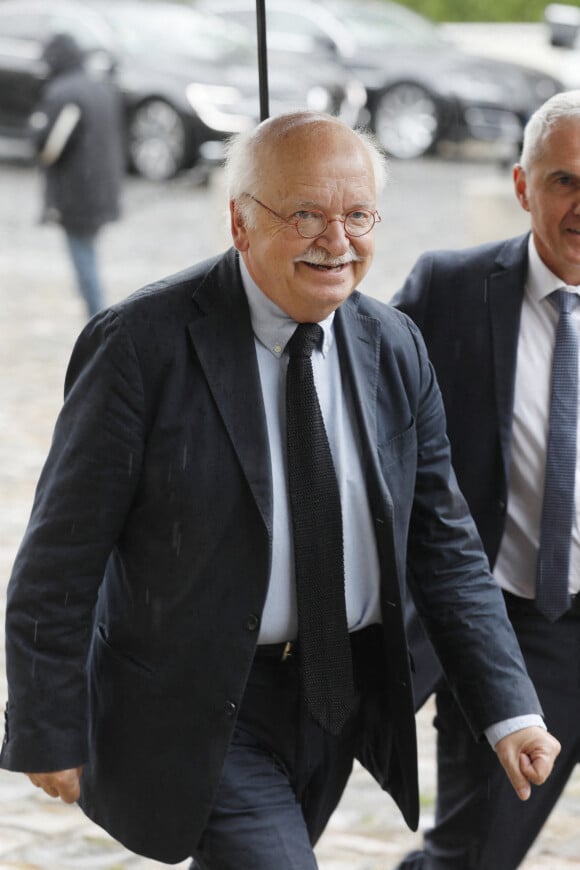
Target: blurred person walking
point(501, 324)
point(77, 133)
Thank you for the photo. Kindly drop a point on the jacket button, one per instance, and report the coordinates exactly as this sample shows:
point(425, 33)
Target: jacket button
point(230, 709)
point(501, 505)
point(252, 622)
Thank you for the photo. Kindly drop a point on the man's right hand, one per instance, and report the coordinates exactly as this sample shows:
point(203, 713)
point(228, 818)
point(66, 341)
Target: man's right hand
point(65, 784)
point(528, 756)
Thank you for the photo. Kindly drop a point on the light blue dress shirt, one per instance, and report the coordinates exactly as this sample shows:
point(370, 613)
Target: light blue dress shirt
point(272, 330)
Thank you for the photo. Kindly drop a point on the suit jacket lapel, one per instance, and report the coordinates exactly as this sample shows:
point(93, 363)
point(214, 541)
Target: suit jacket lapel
point(224, 343)
point(358, 340)
point(358, 337)
point(506, 290)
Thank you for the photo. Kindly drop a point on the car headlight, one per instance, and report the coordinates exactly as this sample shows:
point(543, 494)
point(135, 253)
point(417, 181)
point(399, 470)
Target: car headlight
point(218, 106)
point(319, 99)
point(356, 93)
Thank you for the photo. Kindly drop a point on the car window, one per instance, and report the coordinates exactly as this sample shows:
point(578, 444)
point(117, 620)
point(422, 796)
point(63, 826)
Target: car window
point(288, 22)
point(174, 30)
point(89, 36)
point(375, 27)
point(22, 38)
point(24, 27)
point(298, 32)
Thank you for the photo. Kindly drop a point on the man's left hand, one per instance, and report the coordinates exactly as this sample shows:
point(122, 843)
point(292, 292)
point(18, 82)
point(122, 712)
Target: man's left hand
point(527, 756)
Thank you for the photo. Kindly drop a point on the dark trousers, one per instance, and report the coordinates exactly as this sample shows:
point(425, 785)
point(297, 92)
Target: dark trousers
point(83, 254)
point(480, 824)
point(283, 776)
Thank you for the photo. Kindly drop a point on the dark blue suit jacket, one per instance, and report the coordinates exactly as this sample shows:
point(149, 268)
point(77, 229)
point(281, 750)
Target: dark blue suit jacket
point(146, 560)
point(467, 304)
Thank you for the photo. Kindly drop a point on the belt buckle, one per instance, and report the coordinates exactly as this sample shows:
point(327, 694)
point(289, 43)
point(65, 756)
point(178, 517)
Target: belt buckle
point(288, 650)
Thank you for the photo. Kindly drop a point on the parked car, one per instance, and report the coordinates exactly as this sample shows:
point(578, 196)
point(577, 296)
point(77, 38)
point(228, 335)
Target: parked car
point(188, 80)
point(421, 90)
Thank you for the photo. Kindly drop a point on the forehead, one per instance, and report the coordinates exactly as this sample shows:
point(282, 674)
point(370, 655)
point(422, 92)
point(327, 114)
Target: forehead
point(318, 161)
point(561, 147)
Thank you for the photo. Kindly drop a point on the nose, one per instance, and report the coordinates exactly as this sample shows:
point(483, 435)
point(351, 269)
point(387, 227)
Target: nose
point(334, 237)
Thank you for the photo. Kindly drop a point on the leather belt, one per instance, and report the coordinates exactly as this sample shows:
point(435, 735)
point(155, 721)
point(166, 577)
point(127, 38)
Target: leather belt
point(280, 651)
point(527, 605)
point(289, 649)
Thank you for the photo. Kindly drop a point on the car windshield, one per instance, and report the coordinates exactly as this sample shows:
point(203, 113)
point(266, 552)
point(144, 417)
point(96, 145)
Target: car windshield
point(179, 31)
point(374, 27)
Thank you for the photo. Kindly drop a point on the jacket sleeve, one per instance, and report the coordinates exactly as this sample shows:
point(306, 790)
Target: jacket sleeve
point(454, 591)
point(58, 135)
point(82, 498)
point(53, 124)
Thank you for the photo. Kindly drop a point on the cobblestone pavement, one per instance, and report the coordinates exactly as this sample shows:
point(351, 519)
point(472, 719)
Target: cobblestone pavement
point(428, 204)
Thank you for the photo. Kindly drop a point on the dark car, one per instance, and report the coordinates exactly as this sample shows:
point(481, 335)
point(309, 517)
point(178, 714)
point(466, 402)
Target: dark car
point(421, 90)
point(188, 79)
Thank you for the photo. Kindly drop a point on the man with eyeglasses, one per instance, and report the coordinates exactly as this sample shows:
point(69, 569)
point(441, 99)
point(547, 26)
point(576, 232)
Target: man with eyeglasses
point(205, 622)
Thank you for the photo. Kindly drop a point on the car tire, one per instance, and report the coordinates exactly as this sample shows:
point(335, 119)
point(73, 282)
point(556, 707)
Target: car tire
point(157, 141)
point(406, 121)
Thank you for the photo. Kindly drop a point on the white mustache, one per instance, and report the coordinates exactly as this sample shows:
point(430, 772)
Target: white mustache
point(320, 257)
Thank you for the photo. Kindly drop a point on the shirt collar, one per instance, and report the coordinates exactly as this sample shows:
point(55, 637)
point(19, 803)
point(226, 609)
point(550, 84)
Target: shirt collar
point(272, 326)
point(541, 280)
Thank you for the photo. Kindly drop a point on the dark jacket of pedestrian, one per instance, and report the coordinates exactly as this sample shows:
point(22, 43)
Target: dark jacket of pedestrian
point(77, 132)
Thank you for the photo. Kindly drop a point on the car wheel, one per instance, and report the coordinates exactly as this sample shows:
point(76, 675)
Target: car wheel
point(406, 121)
point(157, 141)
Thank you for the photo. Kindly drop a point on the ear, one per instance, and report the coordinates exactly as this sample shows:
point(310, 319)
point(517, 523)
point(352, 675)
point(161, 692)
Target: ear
point(520, 186)
point(238, 228)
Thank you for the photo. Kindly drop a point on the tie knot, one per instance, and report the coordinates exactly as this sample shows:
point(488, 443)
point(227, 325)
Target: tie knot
point(565, 300)
point(305, 338)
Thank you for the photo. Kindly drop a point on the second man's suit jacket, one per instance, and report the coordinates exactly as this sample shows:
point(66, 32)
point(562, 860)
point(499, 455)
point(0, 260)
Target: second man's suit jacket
point(136, 596)
point(467, 304)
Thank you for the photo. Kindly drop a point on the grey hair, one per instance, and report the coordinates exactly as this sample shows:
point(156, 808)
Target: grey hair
point(561, 107)
point(242, 166)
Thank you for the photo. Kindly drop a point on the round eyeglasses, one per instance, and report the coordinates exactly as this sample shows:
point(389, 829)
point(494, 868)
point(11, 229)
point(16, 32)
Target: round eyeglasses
point(312, 223)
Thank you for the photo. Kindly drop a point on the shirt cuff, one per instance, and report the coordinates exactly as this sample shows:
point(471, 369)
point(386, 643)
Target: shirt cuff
point(501, 729)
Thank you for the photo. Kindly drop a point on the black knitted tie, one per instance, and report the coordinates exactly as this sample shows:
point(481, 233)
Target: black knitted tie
point(318, 547)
